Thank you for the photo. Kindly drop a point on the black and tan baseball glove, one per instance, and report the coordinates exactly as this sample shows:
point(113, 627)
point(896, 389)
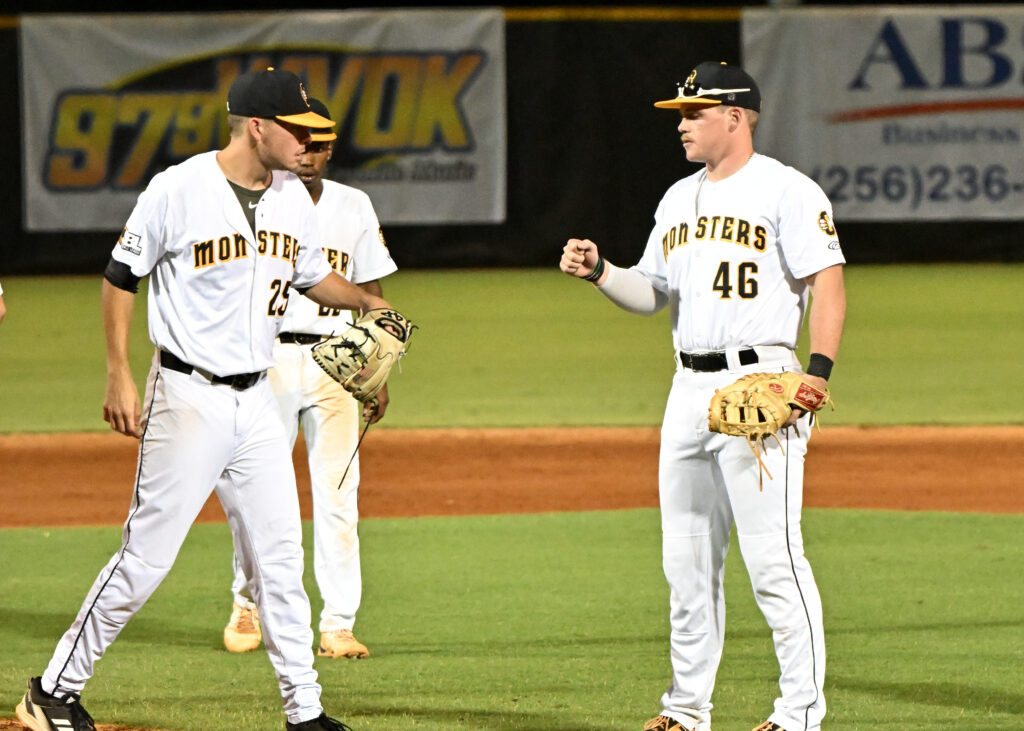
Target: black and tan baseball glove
point(361, 358)
point(757, 405)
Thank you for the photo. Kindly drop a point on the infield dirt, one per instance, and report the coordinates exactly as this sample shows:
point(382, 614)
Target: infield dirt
point(86, 479)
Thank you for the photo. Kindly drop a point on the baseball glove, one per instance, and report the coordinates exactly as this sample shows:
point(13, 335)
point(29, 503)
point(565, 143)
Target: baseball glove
point(759, 404)
point(361, 358)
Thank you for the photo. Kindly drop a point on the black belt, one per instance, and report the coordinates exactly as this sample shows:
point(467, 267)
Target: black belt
point(716, 361)
point(300, 338)
point(239, 381)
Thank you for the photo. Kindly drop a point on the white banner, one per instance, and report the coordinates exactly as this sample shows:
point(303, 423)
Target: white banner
point(898, 113)
point(418, 95)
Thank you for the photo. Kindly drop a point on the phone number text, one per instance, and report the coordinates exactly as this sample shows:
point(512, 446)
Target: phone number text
point(935, 184)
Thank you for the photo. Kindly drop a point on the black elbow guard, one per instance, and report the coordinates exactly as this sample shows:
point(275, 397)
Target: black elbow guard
point(120, 275)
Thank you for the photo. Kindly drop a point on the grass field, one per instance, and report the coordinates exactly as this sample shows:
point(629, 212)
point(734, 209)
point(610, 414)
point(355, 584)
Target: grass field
point(558, 622)
point(923, 344)
point(552, 621)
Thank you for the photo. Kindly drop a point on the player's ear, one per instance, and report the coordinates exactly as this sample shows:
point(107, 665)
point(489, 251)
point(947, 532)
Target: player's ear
point(330, 150)
point(735, 118)
point(256, 127)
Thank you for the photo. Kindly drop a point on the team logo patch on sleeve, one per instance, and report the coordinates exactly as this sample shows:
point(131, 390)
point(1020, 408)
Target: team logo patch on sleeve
point(825, 224)
point(132, 243)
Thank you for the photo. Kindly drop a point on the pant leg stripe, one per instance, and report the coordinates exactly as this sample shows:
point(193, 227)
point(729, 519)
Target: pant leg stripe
point(127, 537)
point(803, 601)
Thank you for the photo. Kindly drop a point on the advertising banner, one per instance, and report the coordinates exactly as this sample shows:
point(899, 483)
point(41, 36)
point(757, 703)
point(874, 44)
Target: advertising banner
point(898, 113)
point(111, 100)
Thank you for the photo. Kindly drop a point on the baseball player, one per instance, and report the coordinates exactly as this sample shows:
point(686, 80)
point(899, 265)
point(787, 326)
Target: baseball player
point(354, 245)
point(225, 236)
point(734, 252)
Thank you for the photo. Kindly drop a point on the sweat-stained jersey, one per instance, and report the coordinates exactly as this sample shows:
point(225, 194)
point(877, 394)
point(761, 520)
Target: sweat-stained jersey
point(732, 254)
point(352, 240)
point(218, 291)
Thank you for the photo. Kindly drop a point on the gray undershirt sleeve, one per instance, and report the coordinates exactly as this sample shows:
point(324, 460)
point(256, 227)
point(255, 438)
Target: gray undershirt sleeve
point(632, 291)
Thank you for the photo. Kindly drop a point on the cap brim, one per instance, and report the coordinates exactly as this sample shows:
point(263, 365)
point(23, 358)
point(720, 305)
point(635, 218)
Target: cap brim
point(684, 101)
point(306, 119)
point(328, 137)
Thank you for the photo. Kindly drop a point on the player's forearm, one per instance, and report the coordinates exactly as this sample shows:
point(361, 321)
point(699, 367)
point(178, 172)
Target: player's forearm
point(118, 305)
point(630, 290)
point(828, 311)
point(373, 287)
point(337, 292)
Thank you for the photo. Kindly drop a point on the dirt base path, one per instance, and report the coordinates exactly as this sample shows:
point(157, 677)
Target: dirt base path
point(85, 479)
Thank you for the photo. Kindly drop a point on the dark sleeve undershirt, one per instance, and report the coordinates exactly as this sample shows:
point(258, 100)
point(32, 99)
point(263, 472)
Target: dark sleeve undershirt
point(120, 275)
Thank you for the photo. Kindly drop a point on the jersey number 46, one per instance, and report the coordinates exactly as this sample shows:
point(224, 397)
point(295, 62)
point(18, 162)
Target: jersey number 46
point(746, 285)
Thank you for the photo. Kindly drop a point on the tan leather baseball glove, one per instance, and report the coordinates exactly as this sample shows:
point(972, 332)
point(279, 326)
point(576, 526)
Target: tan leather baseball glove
point(361, 358)
point(757, 405)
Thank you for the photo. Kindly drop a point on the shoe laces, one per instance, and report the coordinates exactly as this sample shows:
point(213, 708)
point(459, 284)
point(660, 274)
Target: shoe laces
point(246, 622)
point(80, 718)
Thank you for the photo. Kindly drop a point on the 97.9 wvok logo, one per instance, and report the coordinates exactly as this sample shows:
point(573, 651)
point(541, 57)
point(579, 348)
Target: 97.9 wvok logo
point(386, 105)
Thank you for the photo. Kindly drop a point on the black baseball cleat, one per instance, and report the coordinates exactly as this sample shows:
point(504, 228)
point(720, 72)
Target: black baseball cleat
point(39, 711)
point(769, 726)
point(321, 723)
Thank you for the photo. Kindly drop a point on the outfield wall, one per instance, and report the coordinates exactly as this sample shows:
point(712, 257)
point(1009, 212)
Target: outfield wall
point(587, 155)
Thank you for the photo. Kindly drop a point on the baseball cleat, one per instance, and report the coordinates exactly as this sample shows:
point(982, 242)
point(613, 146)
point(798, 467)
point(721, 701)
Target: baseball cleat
point(40, 711)
point(321, 723)
point(242, 633)
point(769, 726)
point(341, 643)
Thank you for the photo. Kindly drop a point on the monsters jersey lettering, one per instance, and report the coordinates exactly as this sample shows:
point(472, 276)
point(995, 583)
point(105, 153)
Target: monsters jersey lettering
point(354, 247)
point(732, 254)
point(716, 228)
point(338, 260)
point(229, 248)
point(217, 301)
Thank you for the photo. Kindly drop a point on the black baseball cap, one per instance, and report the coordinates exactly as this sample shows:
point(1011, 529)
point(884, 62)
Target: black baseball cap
point(321, 135)
point(712, 83)
point(273, 94)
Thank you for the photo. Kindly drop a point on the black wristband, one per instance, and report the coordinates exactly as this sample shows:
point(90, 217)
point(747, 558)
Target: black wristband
point(598, 270)
point(819, 365)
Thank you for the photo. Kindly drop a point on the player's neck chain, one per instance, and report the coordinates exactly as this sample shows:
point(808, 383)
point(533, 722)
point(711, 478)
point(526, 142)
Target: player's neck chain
point(703, 177)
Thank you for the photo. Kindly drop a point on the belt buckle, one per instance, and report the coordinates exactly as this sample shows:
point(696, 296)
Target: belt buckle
point(244, 381)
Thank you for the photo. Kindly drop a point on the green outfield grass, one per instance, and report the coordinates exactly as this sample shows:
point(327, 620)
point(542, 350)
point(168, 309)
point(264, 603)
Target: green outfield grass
point(924, 344)
point(553, 621)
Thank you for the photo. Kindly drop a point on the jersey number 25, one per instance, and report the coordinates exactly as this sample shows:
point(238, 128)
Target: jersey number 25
point(278, 289)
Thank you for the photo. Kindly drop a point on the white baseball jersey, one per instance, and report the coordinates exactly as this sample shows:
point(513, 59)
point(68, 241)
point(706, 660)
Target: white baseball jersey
point(217, 295)
point(190, 232)
point(730, 254)
point(354, 245)
point(353, 242)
